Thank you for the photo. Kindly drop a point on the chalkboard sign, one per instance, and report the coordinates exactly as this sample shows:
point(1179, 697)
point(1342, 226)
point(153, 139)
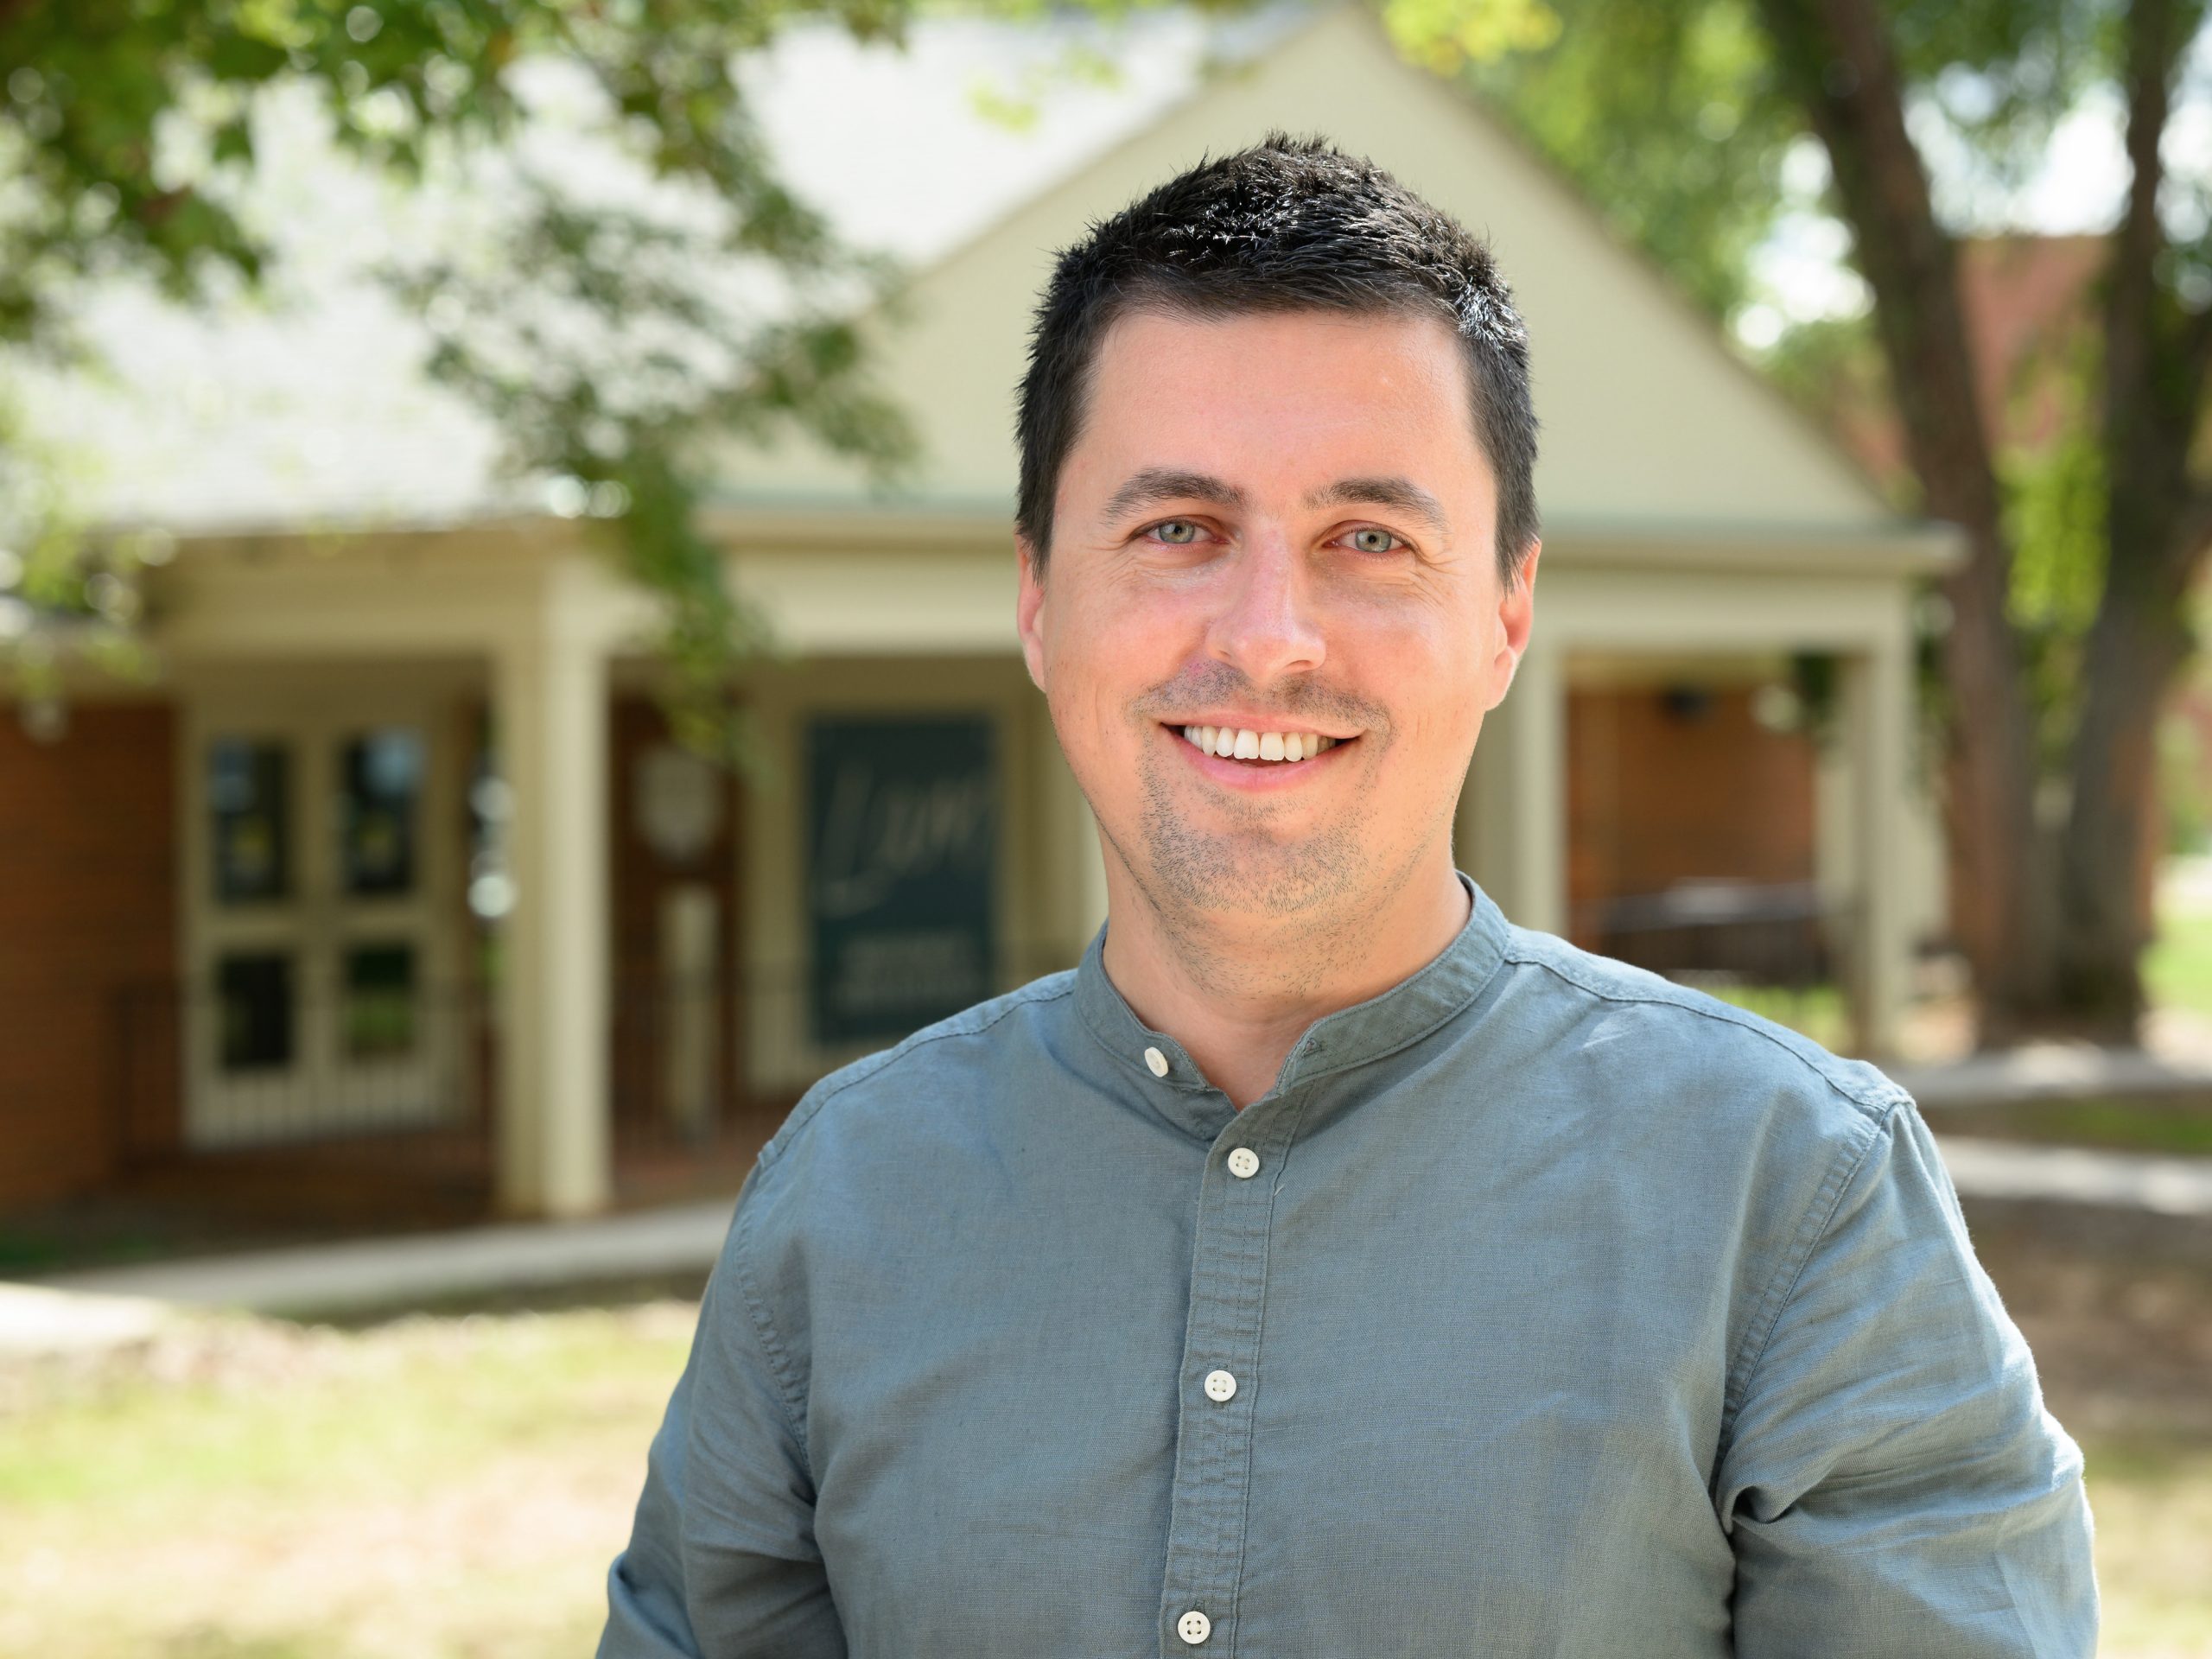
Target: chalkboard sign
point(902, 842)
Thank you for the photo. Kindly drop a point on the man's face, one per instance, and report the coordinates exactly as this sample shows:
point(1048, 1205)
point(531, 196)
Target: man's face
point(1279, 524)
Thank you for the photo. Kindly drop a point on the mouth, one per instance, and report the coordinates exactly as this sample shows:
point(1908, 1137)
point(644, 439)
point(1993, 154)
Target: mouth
point(1259, 748)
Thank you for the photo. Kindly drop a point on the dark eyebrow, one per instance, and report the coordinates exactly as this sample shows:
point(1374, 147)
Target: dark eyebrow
point(1155, 485)
point(1400, 492)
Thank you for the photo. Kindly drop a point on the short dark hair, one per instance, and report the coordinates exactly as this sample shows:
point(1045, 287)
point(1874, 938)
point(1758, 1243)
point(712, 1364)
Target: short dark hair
point(1289, 225)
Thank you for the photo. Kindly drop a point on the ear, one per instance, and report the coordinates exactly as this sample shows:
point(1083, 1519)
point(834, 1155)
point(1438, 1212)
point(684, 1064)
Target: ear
point(1029, 607)
point(1516, 618)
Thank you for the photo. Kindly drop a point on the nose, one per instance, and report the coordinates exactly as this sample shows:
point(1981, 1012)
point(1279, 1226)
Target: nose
point(1268, 625)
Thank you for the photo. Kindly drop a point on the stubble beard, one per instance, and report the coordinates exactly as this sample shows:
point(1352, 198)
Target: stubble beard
point(1313, 894)
point(1242, 869)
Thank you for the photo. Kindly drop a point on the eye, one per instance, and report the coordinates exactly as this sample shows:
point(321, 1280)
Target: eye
point(1371, 540)
point(1176, 532)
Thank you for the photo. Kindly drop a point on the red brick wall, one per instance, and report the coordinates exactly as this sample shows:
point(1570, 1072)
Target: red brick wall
point(87, 908)
point(1657, 797)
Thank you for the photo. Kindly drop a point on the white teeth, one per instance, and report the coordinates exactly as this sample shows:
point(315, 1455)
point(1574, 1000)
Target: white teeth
point(1246, 745)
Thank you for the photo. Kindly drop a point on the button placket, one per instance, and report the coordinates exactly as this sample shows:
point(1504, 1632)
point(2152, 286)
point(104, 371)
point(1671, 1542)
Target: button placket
point(1206, 1552)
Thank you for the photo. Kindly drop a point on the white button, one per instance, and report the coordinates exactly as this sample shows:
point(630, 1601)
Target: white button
point(1194, 1627)
point(1220, 1385)
point(1157, 1061)
point(1244, 1163)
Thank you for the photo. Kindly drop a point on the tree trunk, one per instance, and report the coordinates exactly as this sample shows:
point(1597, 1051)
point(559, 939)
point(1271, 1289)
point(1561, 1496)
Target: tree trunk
point(2154, 369)
point(1836, 57)
point(2137, 645)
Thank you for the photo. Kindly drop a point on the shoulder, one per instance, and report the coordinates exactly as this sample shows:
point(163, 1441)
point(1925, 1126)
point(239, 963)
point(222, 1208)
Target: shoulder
point(1593, 1009)
point(939, 1062)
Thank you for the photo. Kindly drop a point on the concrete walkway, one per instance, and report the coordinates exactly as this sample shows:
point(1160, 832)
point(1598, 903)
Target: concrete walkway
point(2059, 1070)
point(2121, 1180)
point(372, 1272)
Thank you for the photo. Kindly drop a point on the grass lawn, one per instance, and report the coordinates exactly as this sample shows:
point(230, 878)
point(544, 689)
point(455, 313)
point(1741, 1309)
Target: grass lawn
point(453, 1488)
point(2177, 967)
point(2152, 1501)
point(426, 1488)
point(2176, 1124)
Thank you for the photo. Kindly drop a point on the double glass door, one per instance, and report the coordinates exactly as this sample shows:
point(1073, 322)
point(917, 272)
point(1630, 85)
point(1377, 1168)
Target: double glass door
point(321, 851)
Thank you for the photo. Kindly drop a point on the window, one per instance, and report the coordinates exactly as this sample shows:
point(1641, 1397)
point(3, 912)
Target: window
point(253, 992)
point(249, 810)
point(380, 782)
point(380, 1002)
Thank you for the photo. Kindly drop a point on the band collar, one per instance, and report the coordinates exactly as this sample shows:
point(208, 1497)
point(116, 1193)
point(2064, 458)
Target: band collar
point(1406, 1012)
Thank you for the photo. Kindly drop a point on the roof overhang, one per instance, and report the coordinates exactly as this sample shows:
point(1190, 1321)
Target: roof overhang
point(1902, 547)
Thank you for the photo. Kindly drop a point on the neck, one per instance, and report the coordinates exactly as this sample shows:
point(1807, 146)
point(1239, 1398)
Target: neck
point(1239, 991)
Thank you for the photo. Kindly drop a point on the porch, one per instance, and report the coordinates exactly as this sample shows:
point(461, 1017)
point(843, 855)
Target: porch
point(399, 897)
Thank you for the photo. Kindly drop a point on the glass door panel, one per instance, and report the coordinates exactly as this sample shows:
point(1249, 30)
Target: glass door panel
point(322, 922)
point(388, 1052)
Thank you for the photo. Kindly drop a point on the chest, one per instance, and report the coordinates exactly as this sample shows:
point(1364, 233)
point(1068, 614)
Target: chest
point(1420, 1427)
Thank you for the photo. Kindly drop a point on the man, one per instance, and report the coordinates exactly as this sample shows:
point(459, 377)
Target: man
point(1326, 1267)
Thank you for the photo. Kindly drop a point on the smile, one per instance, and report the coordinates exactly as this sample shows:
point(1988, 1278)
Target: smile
point(1234, 743)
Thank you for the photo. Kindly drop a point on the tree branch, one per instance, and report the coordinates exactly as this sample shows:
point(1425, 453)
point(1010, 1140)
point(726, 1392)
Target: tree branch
point(1838, 55)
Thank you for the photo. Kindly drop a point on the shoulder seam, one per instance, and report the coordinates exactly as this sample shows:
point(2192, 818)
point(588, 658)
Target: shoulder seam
point(876, 1064)
point(1875, 1103)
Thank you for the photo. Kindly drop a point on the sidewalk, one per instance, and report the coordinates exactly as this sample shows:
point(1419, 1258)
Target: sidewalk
point(373, 1273)
point(2179, 1062)
point(2162, 1185)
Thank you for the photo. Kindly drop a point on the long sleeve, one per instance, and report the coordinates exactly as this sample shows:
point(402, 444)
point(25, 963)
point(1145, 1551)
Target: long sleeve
point(1892, 1482)
point(721, 1561)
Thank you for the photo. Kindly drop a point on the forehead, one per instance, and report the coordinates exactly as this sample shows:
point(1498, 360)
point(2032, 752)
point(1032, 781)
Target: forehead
point(1287, 391)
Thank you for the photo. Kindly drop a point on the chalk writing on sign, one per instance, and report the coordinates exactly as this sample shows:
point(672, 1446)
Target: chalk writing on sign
point(902, 842)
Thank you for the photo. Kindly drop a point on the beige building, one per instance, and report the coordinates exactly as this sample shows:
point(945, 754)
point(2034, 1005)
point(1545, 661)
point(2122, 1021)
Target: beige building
point(395, 853)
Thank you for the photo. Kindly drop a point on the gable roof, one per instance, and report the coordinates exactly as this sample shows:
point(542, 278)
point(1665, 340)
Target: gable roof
point(1649, 419)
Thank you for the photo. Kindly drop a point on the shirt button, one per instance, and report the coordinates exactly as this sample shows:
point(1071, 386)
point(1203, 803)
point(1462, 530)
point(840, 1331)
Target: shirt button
point(1220, 1385)
point(1157, 1061)
point(1194, 1627)
point(1244, 1163)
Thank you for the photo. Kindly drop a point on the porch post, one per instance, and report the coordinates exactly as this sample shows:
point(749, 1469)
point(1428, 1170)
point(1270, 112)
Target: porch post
point(1534, 778)
point(550, 706)
point(1877, 731)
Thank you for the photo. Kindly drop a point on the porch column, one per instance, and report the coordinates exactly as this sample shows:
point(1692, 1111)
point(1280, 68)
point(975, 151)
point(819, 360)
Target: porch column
point(1514, 826)
point(1877, 733)
point(550, 706)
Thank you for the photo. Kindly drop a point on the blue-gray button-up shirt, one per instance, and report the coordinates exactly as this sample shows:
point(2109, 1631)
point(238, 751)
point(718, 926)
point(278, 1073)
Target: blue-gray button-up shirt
point(1541, 1306)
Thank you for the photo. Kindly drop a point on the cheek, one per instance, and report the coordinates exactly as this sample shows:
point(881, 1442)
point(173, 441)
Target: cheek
point(1100, 657)
point(1429, 667)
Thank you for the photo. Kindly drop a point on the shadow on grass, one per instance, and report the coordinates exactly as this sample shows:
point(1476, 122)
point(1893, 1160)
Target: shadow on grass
point(204, 1641)
point(629, 1291)
point(2176, 1124)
